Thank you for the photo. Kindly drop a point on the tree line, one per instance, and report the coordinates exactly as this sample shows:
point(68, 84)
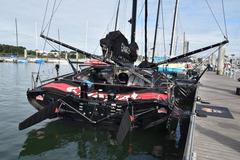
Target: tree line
point(6, 50)
point(9, 49)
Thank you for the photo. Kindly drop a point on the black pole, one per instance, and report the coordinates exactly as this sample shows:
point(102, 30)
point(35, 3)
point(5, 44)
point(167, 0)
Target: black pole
point(88, 55)
point(133, 21)
point(116, 21)
point(193, 52)
point(173, 27)
point(156, 28)
point(146, 16)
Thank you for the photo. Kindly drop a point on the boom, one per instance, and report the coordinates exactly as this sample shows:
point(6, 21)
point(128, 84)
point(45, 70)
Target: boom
point(88, 55)
point(192, 52)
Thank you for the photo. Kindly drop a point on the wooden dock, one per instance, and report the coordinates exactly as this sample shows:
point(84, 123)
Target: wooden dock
point(217, 138)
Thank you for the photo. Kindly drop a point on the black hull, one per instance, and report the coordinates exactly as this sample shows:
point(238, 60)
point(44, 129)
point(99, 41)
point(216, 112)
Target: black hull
point(144, 114)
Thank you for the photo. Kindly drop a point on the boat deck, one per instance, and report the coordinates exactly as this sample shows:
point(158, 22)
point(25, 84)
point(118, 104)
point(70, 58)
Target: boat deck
point(218, 138)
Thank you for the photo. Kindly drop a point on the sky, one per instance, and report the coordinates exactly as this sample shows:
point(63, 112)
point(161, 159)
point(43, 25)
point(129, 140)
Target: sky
point(82, 23)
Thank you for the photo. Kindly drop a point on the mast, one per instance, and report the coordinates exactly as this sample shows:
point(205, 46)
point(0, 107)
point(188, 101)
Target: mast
point(133, 21)
point(16, 32)
point(116, 21)
point(146, 15)
point(36, 36)
point(59, 46)
point(174, 25)
point(156, 28)
point(183, 42)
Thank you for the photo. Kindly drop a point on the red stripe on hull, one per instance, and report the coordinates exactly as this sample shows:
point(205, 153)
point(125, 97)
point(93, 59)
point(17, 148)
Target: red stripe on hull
point(121, 97)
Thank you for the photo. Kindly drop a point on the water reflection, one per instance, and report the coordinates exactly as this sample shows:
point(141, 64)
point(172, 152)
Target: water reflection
point(80, 141)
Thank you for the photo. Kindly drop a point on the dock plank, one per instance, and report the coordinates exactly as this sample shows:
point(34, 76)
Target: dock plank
point(214, 137)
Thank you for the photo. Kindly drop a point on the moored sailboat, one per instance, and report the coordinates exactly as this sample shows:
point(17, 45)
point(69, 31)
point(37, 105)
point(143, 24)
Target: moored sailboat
point(111, 90)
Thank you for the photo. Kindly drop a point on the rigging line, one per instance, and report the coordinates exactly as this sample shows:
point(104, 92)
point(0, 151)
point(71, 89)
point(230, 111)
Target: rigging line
point(55, 10)
point(125, 15)
point(117, 8)
point(107, 28)
point(224, 17)
point(163, 26)
point(50, 44)
point(44, 17)
point(49, 25)
point(206, 58)
point(116, 21)
point(215, 18)
point(141, 27)
point(139, 14)
point(180, 22)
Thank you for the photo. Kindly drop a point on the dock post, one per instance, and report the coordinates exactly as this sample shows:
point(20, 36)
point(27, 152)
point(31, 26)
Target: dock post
point(25, 53)
point(36, 54)
point(213, 62)
point(77, 57)
point(66, 55)
point(185, 47)
point(220, 67)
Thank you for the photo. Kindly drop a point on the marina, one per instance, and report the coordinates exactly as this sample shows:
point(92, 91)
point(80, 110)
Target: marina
point(116, 90)
point(213, 137)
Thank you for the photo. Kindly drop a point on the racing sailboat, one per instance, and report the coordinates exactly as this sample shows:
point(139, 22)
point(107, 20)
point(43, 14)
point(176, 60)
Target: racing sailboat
point(110, 90)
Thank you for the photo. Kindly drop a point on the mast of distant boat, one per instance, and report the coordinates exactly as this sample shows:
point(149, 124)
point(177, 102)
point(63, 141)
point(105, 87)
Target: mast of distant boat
point(174, 26)
point(16, 31)
point(156, 28)
point(16, 26)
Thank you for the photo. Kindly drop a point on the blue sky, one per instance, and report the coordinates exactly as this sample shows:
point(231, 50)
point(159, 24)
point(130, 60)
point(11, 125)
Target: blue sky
point(83, 23)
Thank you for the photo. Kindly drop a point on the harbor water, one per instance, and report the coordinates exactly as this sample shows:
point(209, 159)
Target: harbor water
point(65, 139)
